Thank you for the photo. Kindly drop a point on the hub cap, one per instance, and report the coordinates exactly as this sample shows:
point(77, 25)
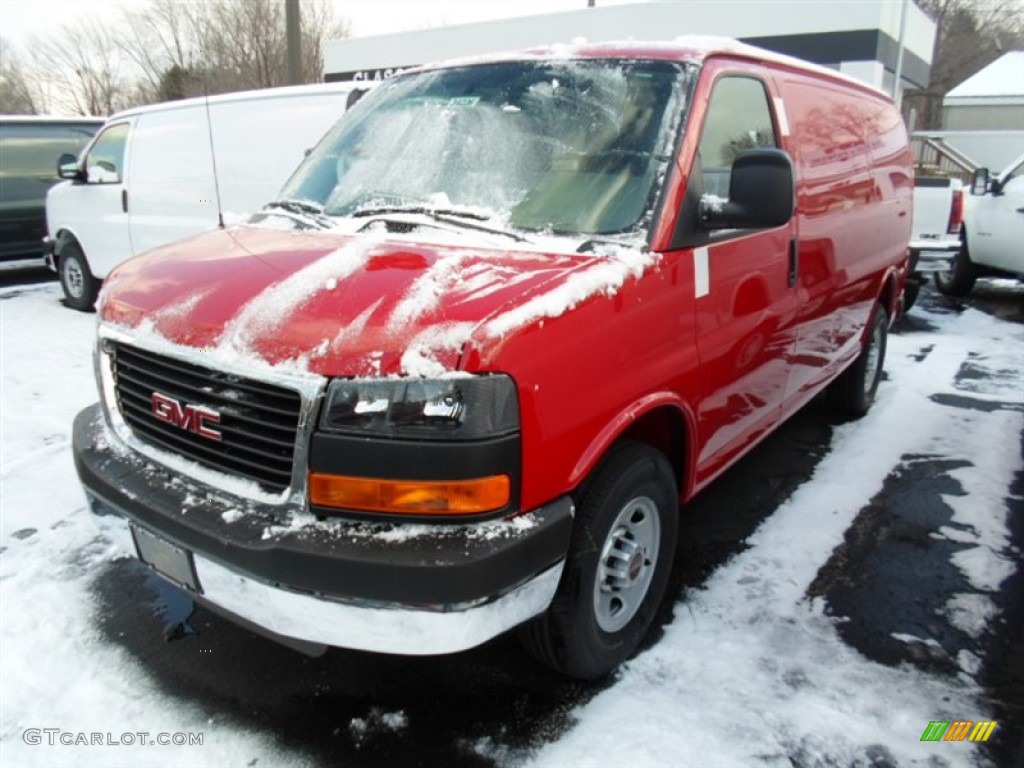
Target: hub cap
point(73, 278)
point(628, 559)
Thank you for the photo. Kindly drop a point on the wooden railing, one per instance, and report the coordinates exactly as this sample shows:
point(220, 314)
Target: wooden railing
point(934, 157)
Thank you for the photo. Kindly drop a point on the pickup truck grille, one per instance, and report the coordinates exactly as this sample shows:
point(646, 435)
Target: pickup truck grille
point(258, 421)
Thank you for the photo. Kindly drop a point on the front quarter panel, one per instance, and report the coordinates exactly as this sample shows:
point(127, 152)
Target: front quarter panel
point(585, 373)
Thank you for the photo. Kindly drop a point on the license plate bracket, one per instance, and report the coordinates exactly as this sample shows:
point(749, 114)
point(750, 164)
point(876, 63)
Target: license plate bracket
point(168, 560)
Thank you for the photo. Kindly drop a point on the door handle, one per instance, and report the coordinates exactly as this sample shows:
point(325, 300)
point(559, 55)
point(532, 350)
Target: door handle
point(124, 200)
point(794, 261)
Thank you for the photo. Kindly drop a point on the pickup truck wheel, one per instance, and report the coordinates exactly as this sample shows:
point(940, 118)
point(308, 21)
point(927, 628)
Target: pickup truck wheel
point(910, 294)
point(854, 391)
point(79, 285)
point(619, 559)
point(959, 279)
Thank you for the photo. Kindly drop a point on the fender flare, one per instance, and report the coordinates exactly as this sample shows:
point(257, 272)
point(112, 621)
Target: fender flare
point(62, 238)
point(894, 280)
point(615, 427)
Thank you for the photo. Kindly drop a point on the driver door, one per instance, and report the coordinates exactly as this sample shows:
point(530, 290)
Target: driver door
point(999, 225)
point(100, 220)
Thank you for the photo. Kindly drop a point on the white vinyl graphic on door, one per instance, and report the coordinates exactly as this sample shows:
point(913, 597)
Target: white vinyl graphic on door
point(701, 273)
point(780, 115)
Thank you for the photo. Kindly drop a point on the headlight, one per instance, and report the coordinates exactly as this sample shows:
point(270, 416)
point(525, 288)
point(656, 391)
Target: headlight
point(469, 408)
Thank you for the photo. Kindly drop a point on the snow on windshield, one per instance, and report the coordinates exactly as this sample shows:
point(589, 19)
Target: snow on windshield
point(568, 146)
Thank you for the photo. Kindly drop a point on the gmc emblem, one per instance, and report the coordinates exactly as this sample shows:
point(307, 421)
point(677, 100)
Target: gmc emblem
point(191, 417)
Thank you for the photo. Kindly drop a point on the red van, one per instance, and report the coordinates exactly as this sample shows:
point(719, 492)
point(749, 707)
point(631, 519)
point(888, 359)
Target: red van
point(507, 317)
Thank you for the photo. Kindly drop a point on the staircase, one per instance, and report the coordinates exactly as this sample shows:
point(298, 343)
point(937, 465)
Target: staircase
point(934, 157)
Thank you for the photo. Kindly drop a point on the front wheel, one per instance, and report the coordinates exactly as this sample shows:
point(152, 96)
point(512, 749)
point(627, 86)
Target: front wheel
point(77, 281)
point(854, 391)
point(617, 567)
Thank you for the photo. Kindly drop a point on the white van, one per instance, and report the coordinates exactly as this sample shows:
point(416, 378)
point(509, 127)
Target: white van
point(160, 173)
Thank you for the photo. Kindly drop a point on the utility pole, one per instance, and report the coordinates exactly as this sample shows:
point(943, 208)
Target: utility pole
point(897, 85)
point(293, 38)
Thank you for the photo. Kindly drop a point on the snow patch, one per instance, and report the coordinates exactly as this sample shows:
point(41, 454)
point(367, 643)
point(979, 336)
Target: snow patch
point(426, 292)
point(604, 276)
point(377, 722)
point(419, 358)
point(302, 523)
point(271, 308)
point(232, 515)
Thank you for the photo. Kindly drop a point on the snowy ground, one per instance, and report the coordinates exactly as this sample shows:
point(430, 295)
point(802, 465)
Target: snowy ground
point(750, 672)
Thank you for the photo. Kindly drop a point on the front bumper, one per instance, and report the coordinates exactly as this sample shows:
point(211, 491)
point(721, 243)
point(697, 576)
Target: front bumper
point(410, 588)
point(49, 253)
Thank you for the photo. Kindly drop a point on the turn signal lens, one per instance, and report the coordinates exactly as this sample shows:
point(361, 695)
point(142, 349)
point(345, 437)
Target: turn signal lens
point(414, 497)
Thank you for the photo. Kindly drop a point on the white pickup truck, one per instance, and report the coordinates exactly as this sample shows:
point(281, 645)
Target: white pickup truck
point(935, 236)
point(992, 234)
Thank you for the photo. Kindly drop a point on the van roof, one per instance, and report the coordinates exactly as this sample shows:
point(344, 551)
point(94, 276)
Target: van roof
point(690, 48)
point(52, 119)
point(288, 91)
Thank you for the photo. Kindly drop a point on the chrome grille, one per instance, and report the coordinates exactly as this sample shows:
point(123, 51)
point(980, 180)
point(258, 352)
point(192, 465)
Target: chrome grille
point(258, 421)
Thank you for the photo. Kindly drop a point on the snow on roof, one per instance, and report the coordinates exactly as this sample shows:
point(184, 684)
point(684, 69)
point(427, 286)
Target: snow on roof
point(52, 119)
point(694, 48)
point(1004, 77)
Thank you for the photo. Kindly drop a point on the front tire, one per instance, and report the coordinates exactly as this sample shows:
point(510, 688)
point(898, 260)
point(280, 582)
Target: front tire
point(618, 564)
point(959, 279)
point(79, 285)
point(853, 392)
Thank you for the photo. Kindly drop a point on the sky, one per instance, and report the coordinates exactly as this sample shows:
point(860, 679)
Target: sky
point(21, 19)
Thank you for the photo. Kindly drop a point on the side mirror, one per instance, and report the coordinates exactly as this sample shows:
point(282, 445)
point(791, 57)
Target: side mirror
point(761, 193)
point(353, 96)
point(979, 182)
point(68, 168)
point(995, 187)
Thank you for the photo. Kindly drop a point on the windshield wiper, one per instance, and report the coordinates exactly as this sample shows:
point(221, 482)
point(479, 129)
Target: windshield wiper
point(454, 216)
point(306, 210)
point(297, 206)
point(429, 211)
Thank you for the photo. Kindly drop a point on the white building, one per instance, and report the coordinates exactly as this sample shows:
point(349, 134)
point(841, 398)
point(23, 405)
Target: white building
point(991, 99)
point(858, 37)
point(983, 117)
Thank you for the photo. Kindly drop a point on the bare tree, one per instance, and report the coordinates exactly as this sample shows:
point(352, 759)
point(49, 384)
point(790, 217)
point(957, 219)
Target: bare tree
point(86, 67)
point(319, 25)
point(186, 49)
point(970, 35)
point(162, 40)
point(245, 46)
point(17, 94)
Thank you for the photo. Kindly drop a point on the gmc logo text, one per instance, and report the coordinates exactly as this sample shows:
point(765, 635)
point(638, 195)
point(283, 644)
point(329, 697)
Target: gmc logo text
point(193, 418)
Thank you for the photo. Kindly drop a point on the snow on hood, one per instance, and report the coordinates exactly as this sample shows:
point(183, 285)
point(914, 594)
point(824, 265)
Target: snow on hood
point(336, 305)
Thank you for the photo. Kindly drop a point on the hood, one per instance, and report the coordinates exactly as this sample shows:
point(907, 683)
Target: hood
point(338, 305)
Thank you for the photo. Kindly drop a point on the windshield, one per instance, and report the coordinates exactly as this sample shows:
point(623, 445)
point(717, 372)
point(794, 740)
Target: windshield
point(566, 146)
